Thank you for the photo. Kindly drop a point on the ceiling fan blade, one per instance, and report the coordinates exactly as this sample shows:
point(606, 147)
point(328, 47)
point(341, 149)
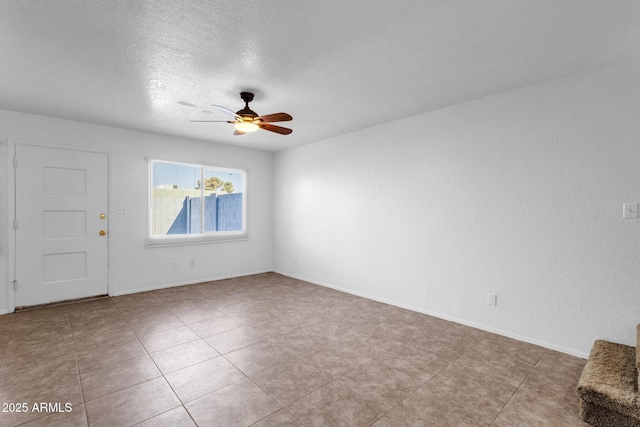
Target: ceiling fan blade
point(277, 117)
point(211, 121)
point(237, 132)
point(276, 129)
point(225, 110)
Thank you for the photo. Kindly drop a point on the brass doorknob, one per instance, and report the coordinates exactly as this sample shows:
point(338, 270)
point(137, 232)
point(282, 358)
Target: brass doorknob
point(102, 232)
point(102, 216)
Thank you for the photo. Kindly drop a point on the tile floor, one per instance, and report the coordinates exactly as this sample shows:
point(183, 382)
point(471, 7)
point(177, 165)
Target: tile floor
point(269, 350)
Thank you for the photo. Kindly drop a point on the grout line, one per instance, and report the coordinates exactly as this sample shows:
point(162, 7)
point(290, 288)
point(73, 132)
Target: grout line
point(518, 388)
point(6, 347)
point(75, 354)
point(157, 415)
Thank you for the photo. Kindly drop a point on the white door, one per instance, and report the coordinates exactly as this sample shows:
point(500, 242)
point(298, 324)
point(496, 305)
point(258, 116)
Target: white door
point(61, 212)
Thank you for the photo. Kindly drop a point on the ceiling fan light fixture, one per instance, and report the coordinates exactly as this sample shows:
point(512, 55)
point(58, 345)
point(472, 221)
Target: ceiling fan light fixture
point(246, 127)
point(247, 120)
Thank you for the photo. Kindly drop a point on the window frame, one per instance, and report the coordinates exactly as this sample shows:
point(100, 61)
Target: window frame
point(204, 236)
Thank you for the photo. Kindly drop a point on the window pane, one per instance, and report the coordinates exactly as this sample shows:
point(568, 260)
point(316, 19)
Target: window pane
point(223, 200)
point(175, 199)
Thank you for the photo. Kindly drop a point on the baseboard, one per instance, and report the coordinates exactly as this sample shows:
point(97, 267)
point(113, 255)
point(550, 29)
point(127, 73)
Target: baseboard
point(486, 328)
point(171, 285)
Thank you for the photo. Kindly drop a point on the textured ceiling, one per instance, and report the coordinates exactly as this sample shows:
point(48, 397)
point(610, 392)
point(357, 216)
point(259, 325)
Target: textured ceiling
point(335, 65)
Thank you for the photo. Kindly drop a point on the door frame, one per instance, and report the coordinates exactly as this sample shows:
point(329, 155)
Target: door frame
point(11, 201)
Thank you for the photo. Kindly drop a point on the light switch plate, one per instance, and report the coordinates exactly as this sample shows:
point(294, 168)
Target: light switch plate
point(630, 210)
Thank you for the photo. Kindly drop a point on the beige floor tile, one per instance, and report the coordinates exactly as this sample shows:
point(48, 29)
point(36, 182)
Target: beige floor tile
point(194, 312)
point(335, 360)
point(535, 409)
point(291, 380)
point(237, 405)
point(248, 317)
point(183, 355)
point(531, 417)
point(151, 323)
point(335, 405)
point(464, 398)
point(558, 386)
point(5, 332)
point(447, 347)
point(260, 356)
point(76, 417)
point(414, 363)
point(134, 312)
point(502, 348)
point(97, 331)
point(132, 405)
point(177, 417)
point(95, 307)
point(44, 335)
point(47, 317)
point(560, 363)
point(301, 341)
point(381, 384)
point(21, 356)
point(197, 380)
point(103, 335)
point(420, 411)
point(280, 419)
point(331, 332)
point(47, 314)
point(57, 390)
point(94, 357)
point(100, 318)
point(117, 376)
point(398, 331)
point(234, 339)
point(214, 326)
point(169, 338)
point(506, 370)
point(368, 343)
point(273, 327)
point(7, 321)
point(39, 373)
point(136, 300)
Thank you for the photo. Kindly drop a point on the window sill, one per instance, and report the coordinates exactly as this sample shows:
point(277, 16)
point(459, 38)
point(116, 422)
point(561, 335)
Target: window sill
point(162, 242)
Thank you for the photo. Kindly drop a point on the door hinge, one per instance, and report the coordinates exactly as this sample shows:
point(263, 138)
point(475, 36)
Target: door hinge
point(15, 224)
point(15, 162)
point(15, 285)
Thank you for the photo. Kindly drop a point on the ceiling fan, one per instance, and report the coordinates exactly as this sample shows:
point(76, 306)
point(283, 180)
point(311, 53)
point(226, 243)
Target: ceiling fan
point(247, 120)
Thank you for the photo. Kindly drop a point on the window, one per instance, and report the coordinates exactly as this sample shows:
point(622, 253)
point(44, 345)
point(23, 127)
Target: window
point(194, 203)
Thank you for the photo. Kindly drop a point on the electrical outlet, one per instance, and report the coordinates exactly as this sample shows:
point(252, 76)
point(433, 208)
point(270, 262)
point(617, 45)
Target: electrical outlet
point(192, 263)
point(174, 265)
point(492, 299)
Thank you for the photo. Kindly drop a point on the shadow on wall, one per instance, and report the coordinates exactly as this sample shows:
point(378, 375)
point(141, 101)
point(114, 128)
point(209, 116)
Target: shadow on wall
point(221, 213)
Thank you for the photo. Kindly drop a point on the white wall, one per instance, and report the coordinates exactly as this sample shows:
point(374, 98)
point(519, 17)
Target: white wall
point(132, 267)
point(518, 194)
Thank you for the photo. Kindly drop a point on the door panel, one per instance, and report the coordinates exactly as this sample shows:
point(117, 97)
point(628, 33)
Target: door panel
point(64, 181)
point(64, 224)
point(60, 195)
point(64, 267)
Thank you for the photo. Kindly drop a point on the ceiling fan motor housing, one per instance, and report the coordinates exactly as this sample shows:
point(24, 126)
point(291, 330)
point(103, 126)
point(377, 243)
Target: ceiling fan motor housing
point(246, 113)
